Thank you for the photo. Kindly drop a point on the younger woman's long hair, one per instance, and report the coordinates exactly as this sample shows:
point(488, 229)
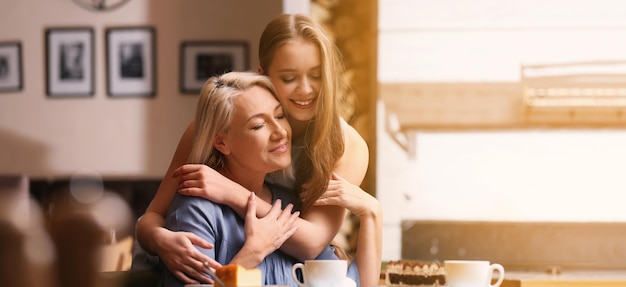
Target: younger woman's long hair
point(325, 142)
point(214, 112)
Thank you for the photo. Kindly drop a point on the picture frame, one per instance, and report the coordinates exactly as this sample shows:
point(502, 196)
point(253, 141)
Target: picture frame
point(131, 62)
point(11, 67)
point(202, 59)
point(69, 62)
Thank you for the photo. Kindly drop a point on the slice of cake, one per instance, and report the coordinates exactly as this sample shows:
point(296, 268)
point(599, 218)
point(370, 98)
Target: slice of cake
point(235, 276)
point(415, 273)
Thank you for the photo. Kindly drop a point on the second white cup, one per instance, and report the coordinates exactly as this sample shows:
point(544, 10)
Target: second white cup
point(472, 273)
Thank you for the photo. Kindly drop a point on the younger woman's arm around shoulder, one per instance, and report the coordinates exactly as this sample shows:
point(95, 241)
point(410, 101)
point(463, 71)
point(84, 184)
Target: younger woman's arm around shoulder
point(315, 230)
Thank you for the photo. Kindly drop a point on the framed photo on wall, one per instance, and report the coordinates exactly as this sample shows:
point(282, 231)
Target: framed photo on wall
point(10, 66)
point(69, 62)
point(131, 62)
point(202, 59)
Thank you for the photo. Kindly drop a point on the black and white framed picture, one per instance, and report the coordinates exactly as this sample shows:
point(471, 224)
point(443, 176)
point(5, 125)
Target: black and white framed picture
point(69, 62)
point(202, 59)
point(131, 62)
point(10, 66)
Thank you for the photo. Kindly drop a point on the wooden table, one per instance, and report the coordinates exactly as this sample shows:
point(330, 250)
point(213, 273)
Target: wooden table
point(578, 278)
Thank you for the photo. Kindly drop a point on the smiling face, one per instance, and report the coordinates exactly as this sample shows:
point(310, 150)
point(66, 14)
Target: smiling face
point(259, 136)
point(296, 73)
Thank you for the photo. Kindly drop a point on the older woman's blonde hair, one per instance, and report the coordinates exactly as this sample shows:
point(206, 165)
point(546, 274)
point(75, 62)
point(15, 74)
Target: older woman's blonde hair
point(214, 112)
point(325, 142)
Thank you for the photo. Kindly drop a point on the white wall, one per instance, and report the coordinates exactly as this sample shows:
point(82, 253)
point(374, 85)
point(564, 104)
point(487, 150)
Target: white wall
point(533, 175)
point(130, 137)
point(486, 40)
point(297, 6)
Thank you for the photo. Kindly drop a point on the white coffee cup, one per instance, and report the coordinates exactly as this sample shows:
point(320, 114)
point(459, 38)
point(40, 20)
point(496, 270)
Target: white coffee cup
point(321, 273)
point(472, 273)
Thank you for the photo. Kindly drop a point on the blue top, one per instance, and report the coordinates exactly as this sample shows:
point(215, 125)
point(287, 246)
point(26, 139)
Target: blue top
point(220, 225)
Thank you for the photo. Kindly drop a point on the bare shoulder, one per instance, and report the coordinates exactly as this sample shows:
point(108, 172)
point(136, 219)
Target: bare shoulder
point(353, 164)
point(354, 140)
